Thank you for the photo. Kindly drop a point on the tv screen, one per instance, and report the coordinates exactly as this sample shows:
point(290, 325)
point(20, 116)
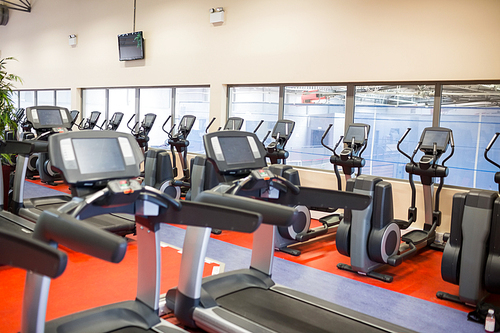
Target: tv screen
point(131, 46)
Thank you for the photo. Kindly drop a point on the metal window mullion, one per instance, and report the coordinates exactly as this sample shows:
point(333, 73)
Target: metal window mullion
point(137, 103)
point(281, 102)
point(172, 101)
point(349, 105)
point(106, 102)
point(55, 97)
point(436, 113)
point(35, 97)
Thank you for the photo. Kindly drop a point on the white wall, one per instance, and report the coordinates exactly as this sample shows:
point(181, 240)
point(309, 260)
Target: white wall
point(280, 41)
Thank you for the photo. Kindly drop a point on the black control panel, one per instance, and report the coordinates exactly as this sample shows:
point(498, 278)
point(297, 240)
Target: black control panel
point(92, 156)
point(47, 117)
point(234, 152)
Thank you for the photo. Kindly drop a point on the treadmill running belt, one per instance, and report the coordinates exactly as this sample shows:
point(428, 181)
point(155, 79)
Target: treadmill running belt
point(285, 314)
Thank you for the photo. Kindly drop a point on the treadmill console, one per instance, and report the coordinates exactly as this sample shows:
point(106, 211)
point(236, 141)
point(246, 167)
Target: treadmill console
point(48, 117)
point(89, 157)
point(234, 152)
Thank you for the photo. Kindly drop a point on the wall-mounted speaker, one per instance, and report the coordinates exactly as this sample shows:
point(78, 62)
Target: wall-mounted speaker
point(4, 15)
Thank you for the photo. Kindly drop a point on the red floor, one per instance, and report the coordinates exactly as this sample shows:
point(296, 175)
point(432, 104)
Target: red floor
point(105, 283)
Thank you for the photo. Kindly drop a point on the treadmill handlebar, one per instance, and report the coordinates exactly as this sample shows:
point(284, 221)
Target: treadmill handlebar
point(64, 229)
point(30, 254)
point(271, 213)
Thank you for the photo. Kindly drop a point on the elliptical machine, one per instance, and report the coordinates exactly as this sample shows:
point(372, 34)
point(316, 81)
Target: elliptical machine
point(471, 257)
point(179, 142)
point(141, 130)
point(350, 158)
point(372, 237)
point(89, 123)
point(113, 123)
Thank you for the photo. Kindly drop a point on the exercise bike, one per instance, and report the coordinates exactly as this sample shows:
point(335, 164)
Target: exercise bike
point(471, 257)
point(372, 237)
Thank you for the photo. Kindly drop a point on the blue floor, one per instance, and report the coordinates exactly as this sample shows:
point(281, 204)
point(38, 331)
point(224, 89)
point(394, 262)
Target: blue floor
point(403, 310)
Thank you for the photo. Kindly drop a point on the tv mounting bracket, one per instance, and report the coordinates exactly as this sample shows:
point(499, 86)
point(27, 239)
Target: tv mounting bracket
point(21, 5)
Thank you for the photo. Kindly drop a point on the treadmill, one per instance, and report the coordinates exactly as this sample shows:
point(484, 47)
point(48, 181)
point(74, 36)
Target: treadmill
point(116, 160)
point(248, 300)
point(8, 220)
point(50, 120)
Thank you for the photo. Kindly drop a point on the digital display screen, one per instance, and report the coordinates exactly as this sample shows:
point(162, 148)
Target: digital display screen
point(356, 132)
point(236, 150)
point(100, 155)
point(283, 128)
point(186, 123)
point(234, 124)
point(131, 46)
point(441, 139)
point(49, 117)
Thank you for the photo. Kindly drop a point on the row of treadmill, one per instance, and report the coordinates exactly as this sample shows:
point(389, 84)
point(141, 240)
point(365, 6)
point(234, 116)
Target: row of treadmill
point(232, 187)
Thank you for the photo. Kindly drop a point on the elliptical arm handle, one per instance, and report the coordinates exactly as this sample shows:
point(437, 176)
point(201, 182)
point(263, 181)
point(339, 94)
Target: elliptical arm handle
point(163, 126)
point(265, 138)
point(452, 145)
point(128, 124)
point(495, 137)
point(210, 124)
point(323, 139)
point(399, 143)
point(258, 126)
point(335, 148)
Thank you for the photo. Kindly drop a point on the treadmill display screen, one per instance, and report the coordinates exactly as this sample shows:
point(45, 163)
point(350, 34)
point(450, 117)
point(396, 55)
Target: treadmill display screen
point(441, 139)
point(100, 155)
point(236, 150)
point(356, 132)
point(49, 117)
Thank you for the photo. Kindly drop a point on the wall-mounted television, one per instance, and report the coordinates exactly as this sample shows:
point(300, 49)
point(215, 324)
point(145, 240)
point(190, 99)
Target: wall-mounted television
point(131, 46)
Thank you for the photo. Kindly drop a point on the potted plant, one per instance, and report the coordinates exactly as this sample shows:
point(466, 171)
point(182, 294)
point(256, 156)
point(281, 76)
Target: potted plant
point(7, 118)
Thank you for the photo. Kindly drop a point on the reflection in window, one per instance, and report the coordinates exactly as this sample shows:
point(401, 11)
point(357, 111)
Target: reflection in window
point(389, 110)
point(196, 102)
point(473, 113)
point(313, 109)
point(254, 104)
point(157, 101)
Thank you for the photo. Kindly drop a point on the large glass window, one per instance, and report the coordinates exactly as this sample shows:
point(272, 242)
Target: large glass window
point(254, 104)
point(94, 100)
point(313, 109)
point(390, 110)
point(63, 98)
point(26, 99)
point(196, 102)
point(472, 112)
point(15, 99)
point(45, 97)
point(157, 101)
point(123, 100)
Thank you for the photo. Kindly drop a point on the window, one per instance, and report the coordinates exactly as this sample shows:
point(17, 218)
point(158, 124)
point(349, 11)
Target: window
point(157, 101)
point(196, 102)
point(255, 104)
point(389, 110)
point(45, 97)
point(94, 100)
point(122, 100)
point(63, 98)
point(26, 99)
point(313, 109)
point(472, 112)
